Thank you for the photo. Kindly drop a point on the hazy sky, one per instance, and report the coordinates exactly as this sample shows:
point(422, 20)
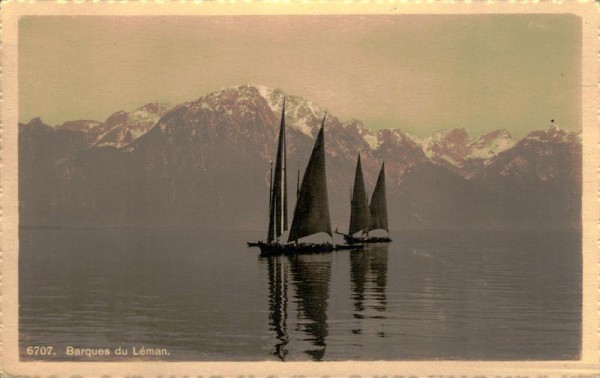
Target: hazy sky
point(416, 73)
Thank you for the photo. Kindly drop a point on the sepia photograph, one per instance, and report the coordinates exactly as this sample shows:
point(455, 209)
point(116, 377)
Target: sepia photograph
point(287, 187)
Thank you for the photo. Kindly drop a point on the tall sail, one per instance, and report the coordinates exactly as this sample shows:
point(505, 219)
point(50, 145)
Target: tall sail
point(359, 207)
point(278, 213)
point(378, 206)
point(311, 214)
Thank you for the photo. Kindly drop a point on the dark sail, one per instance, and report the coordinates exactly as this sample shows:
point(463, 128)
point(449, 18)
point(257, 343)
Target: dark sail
point(311, 214)
point(359, 208)
point(378, 206)
point(278, 212)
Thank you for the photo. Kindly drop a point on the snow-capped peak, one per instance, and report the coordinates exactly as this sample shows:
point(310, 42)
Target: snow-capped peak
point(455, 146)
point(417, 139)
point(149, 113)
point(491, 144)
point(301, 114)
point(79, 125)
point(265, 92)
point(371, 138)
point(553, 133)
point(122, 127)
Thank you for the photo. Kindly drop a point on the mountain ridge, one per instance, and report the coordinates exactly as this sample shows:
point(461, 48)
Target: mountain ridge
point(205, 163)
point(122, 128)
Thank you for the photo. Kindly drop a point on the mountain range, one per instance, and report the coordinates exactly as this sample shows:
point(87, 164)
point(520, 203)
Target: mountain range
point(205, 164)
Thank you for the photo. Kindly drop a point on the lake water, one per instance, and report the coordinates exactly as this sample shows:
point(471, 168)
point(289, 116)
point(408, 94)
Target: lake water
point(427, 295)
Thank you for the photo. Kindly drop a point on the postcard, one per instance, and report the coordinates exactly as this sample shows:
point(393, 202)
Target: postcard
point(344, 189)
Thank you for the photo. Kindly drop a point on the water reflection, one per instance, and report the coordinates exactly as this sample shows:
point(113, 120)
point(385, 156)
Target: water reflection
point(430, 295)
point(310, 276)
point(278, 269)
point(368, 275)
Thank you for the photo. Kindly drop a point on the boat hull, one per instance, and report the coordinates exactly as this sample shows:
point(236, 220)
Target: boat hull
point(268, 249)
point(368, 240)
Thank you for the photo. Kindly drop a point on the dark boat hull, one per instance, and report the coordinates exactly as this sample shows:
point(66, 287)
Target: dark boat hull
point(268, 249)
point(368, 240)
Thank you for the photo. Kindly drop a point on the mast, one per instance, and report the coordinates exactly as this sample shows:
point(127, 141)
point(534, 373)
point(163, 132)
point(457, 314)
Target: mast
point(278, 214)
point(359, 207)
point(311, 214)
point(270, 231)
point(298, 184)
point(378, 206)
point(284, 179)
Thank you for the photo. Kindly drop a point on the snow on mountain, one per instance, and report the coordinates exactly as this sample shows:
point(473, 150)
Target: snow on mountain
point(79, 125)
point(456, 150)
point(489, 145)
point(553, 134)
point(199, 162)
point(451, 144)
point(122, 128)
point(400, 150)
point(542, 154)
point(244, 111)
point(451, 148)
point(417, 139)
point(301, 114)
point(371, 138)
point(149, 113)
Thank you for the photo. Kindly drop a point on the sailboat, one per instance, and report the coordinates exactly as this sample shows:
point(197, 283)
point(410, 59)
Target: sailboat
point(311, 214)
point(378, 210)
point(367, 217)
point(278, 208)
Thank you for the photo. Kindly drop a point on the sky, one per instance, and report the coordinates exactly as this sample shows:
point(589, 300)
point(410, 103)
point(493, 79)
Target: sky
point(418, 73)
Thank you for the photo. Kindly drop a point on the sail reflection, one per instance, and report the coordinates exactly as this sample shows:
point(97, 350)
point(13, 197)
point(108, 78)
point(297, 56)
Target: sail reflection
point(368, 274)
point(309, 276)
point(278, 302)
point(300, 284)
point(312, 274)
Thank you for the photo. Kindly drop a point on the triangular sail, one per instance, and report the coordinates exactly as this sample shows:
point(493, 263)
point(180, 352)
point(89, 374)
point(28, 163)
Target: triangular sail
point(359, 207)
point(278, 213)
point(311, 214)
point(378, 206)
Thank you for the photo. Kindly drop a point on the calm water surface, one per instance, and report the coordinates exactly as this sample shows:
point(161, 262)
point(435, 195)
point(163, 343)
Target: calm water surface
point(428, 295)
